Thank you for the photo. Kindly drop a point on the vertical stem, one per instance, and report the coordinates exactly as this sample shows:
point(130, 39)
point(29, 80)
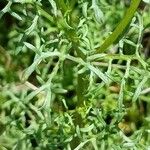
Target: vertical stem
point(81, 88)
point(82, 81)
point(72, 36)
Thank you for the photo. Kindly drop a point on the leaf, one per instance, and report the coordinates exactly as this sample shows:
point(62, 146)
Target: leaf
point(82, 70)
point(33, 26)
point(97, 11)
point(53, 4)
point(124, 23)
point(30, 46)
point(129, 42)
point(93, 141)
point(87, 129)
point(16, 15)
point(30, 69)
point(139, 88)
point(99, 73)
point(96, 56)
point(84, 9)
point(5, 9)
point(81, 23)
point(81, 145)
point(35, 92)
point(146, 1)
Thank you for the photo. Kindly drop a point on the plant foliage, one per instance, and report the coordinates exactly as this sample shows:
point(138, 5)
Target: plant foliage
point(59, 89)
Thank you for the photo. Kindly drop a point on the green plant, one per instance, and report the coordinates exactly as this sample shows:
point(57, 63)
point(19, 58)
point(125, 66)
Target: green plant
point(60, 89)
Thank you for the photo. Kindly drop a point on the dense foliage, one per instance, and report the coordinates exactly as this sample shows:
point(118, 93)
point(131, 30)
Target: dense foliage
point(58, 91)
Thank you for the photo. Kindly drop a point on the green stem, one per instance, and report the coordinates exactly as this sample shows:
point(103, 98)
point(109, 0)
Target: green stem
point(81, 88)
point(121, 27)
point(71, 34)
